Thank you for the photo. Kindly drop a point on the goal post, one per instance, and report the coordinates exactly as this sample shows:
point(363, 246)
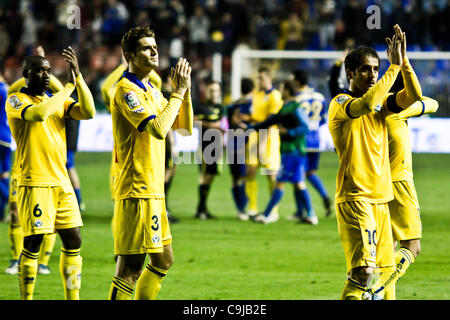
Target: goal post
point(243, 61)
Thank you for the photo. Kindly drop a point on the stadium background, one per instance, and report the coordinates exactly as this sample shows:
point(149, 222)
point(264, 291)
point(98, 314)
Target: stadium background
point(197, 30)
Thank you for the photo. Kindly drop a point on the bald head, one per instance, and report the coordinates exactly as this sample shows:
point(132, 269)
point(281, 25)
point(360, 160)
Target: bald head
point(36, 70)
point(33, 62)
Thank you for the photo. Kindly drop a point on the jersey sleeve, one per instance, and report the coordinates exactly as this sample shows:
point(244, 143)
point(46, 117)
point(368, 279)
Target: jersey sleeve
point(68, 106)
point(275, 102)
point(339, 108)
point(132, 105)
point(16, 105)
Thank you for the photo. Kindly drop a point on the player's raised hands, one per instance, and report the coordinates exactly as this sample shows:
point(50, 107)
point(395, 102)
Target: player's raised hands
point(402, 36)
point(71, 58)
point(394, 50)
point(40, 51)
point(181, 76)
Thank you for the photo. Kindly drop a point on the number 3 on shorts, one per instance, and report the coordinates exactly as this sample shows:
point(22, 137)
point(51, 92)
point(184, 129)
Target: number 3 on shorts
point(155, 225)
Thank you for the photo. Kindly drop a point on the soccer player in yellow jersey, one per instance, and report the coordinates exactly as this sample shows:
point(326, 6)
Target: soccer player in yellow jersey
point(141, 119)
point(46, 200)
point(357, 123)
point(263, 149)
point(16, 235)
point(404, 209)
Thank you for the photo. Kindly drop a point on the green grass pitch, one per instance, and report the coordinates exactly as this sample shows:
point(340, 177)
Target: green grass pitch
point(231, 259)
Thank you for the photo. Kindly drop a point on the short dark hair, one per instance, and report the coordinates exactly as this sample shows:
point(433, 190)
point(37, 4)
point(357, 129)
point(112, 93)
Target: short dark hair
point(29, 62)
point(301, 76)
point(264, 69)
point(130, 39)
point(291, 86)
point(355, 58)
point(247, 85)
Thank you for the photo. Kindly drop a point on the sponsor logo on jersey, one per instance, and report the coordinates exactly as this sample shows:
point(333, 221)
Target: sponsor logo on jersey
point(38, 223)
point(15, 102)
point(342, 99)
point(139, 110)
point(156, 239)
point(132, 99)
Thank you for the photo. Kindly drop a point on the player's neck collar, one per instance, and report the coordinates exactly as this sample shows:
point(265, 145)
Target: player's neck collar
point(346, 91)
point(27, 91)
point(132, 77)
point(270, 90)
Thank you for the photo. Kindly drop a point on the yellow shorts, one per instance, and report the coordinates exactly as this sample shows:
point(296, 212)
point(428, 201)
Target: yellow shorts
point(140, 226)
point(44, 209)
point(405, 212)
point(365, 232)
point(12, 189)
point(263, 151)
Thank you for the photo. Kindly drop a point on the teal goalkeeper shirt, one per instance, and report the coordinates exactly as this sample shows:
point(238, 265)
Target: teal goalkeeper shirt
point(294, 141)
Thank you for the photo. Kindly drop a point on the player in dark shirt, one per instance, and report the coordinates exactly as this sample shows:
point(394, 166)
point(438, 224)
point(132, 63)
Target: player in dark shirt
point(210, 113)
point(238, 115)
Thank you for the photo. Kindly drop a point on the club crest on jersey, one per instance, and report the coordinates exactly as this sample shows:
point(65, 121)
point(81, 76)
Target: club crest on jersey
point(132, 99)
point(15, 102)
point(377, 108)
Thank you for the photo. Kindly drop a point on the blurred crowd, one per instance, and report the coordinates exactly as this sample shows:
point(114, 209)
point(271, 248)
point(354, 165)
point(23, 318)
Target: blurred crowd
point(197, 29)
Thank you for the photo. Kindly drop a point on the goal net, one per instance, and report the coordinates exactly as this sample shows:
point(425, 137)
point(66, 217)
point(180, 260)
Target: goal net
point(432, 69)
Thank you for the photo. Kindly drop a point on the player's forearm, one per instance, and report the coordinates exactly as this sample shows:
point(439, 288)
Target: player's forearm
point(109, 82)
point(161, 124)
point(412, 91)
point(375, 95)
point(424, 106)
point(334, 83)
point(185, 119)
point(43, 110)
point(273, 119)
point(302, 128)
point(86, 101)
point(16, 85)
point(55, 85)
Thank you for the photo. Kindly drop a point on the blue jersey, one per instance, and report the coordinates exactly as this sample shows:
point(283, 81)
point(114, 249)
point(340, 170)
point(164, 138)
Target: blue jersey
point(242, 106)
point(313, 103)
point(5, 132)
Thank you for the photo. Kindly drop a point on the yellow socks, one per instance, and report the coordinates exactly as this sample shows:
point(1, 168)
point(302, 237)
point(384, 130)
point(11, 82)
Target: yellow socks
point(70, 268)
point(28, 264)
point(120, 289)
point(149, 283)
point(251, 188)
point(385, 286)
point(353, 290)
point(15, 240)
point(46, 248)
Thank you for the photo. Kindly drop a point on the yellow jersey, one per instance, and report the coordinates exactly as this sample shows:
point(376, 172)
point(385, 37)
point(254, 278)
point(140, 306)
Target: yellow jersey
point(41, 146)
point(399, 148)
point(139, 156)
point(361, 144)
point(265, 104)
point(400, 154)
